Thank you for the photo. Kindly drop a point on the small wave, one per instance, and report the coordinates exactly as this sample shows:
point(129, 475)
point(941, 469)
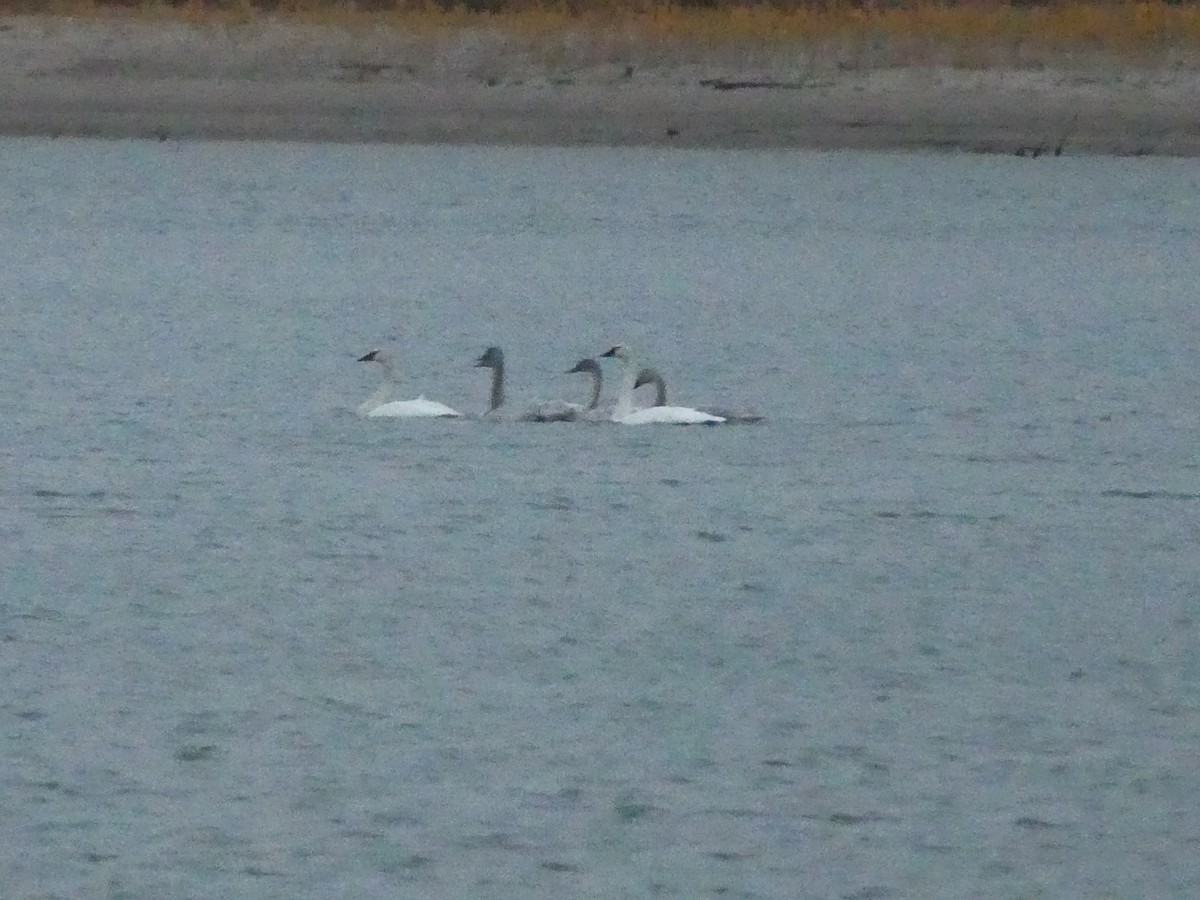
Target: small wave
point(1033, 823)
point(1023, 459)
point(52, 494)
point(83, 504)
point(852, 819)
point(554, 865)
point(1149, 495)
point(927, 514)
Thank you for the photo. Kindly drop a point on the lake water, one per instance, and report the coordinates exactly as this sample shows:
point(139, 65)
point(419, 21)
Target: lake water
point(930, 631)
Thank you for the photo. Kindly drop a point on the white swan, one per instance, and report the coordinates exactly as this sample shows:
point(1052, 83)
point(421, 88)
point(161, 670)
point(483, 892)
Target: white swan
point(651, 376)
point(550, 411)
point(381, 404)
point(624, 412)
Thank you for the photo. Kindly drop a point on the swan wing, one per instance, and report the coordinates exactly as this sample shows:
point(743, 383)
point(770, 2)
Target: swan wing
point(668, 415)
point(554, 411)
point(413, 409)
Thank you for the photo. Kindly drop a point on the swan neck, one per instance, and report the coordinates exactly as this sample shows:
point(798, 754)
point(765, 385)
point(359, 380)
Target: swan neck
point(386, 390)
point(660, 390)
point(497, 386)
point(625, 396)
point(597, 380)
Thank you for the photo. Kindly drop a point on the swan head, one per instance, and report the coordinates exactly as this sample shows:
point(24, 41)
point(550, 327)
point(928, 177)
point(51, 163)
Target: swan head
point(585, 365)
point(620, 351)
point(373, 356)
point(493, 358)
point(645, 376)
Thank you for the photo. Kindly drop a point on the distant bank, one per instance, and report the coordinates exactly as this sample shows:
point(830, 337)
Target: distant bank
point(271, 80)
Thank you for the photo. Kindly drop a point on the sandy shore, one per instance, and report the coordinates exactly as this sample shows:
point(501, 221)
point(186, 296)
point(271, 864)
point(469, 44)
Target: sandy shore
point(277, 81)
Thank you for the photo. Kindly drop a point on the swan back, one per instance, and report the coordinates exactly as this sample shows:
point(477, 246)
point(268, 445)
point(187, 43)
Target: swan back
point(412, 409)
point(554, 411)
point(668, 415)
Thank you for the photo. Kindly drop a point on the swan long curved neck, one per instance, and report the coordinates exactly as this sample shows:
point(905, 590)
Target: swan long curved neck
point(497, 385)
point(625, 396)
point(660, 390)
point(387, 386)
point(389, 373)
point(597, 382)
point(652, 376)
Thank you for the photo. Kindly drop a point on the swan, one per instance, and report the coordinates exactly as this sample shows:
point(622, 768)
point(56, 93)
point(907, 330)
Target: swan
point(625, 414)
point(591, 367)
point(381, 404)
point(651, 376)
point(553, 411)
point(645, 376)
point(593, 412)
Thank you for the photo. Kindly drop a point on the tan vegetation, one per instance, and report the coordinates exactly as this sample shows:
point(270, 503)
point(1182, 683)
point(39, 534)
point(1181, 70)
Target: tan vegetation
point(972, 34)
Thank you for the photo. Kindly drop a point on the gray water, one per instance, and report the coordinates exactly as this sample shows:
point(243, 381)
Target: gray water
point(930, 631)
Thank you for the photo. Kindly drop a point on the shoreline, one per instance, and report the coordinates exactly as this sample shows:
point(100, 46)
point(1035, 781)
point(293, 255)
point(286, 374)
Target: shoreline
point(280, 81)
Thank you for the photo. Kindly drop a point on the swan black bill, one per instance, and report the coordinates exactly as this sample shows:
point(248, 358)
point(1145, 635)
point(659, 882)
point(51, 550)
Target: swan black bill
point(493, 358)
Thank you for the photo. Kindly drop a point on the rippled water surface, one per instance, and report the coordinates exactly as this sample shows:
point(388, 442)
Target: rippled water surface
point(929, 631)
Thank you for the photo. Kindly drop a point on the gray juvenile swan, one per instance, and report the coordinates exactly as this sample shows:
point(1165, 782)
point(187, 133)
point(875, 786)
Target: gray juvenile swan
point(625, 414)
point(553, 411)
point(651, 376)
point(590, 367)
point(381, 403)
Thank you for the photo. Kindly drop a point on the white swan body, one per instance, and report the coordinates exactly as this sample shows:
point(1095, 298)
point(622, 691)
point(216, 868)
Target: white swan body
point(412, 409)
point(624, 412)
point(667, 415)
point(380, 403)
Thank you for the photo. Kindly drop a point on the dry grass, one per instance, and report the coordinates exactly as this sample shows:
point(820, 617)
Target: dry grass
point(971, 33)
